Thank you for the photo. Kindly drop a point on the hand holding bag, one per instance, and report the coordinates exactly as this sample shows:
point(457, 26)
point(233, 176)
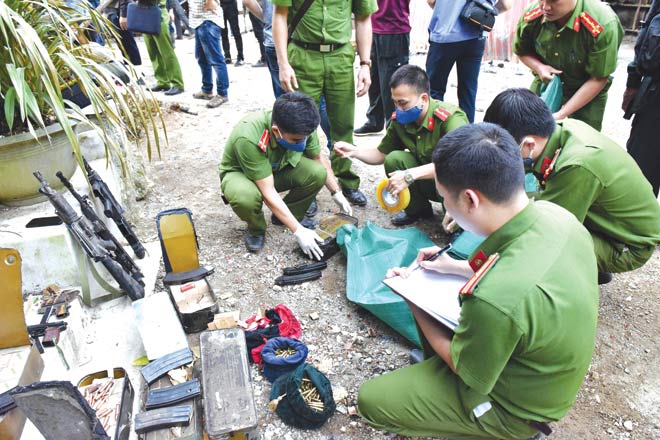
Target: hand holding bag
point(479, 13)
point(144, 18)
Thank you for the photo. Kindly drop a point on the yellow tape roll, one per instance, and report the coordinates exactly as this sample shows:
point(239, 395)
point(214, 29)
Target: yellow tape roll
point(389, 202)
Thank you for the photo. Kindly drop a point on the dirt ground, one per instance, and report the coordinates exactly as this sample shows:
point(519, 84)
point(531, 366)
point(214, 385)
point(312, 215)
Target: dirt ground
point(620, 397)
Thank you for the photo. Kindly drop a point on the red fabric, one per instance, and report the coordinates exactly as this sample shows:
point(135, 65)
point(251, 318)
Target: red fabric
point(289, 327)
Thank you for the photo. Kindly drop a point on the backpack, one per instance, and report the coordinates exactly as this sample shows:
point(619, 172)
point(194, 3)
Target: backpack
point(647, 47)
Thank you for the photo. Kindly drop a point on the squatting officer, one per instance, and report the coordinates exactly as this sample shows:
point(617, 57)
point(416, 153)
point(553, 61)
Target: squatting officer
point(587, 173)
point(319, 60)
point(272, 151)
point(578, 40)
point(417, 124)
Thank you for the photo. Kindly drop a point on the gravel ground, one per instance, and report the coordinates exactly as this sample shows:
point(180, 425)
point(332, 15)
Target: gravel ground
point(620, 397)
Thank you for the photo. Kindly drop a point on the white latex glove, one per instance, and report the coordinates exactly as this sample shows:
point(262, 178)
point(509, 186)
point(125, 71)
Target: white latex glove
point(343, 204)
point(307, 240)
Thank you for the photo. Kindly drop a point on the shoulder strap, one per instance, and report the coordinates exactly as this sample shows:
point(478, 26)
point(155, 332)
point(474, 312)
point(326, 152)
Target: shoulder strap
point(299, 15)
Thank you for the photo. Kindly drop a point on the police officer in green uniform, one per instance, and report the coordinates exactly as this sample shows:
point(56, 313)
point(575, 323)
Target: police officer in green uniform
point(319, 61)
point(269, 152)
point(506, 371)
point(163, 59)
point(578, 40)
point(418, 122)
point(585, 172)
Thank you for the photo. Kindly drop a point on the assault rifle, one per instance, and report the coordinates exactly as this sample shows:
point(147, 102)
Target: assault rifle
point(113, 210)
point(97, 249)
point(102, 231)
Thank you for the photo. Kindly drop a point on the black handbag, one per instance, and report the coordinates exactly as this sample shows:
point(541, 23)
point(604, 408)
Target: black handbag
point(143, 18)
point(479, 13)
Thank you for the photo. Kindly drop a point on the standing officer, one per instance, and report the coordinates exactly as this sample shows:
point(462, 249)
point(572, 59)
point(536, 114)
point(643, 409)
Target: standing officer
point(578, 40)
point(506, 370)
point(587, 173)
point(167, 69)
point(320, 61)
point(642, 98)
point(268, 152)
point(417, 124)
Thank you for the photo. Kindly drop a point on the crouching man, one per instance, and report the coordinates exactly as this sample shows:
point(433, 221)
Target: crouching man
point(273, 151)
point(528, 312)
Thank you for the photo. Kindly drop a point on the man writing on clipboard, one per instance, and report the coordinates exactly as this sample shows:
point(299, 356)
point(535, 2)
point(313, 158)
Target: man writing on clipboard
point(511, 366)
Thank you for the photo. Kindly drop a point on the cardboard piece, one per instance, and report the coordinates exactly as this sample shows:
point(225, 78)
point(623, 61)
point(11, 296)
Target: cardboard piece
point(13, 331)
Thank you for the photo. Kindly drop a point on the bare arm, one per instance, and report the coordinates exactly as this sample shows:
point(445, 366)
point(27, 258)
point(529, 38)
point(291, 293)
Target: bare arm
point(363, 40)
point(397, 178)
point(544, 71)
point(330, 181)
point(280, 39)
point(371, 156)
point(582, 97)
point(255, 8)
point(275, 203)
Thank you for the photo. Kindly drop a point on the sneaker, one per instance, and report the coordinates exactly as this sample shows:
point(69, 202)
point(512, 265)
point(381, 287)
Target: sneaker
point(239, 63)
point(367, 130)
point(217, 101)
point(203, 95)
point(259, 63)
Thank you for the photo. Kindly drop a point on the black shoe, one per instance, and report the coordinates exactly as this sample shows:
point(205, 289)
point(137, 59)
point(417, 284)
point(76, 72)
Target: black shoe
point(227, 60)
point(239, 63)
point(174, 91)
point(604, 277)
point(259, 63)
point(403, 218)
point(367, 130)
point(416, 356)
point(158, 88)
point(312, 210)
point(355, 197)
point(308, 223)
point(254, 243)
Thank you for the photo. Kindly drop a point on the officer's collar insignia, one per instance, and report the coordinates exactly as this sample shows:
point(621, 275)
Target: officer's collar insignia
point(478, 260)
point(548, 165)
point(592, 25)
point(485, 266)
point(431, 123)
point(576, 24)
point(532, 15)
point(263, 142)
point(442, 114)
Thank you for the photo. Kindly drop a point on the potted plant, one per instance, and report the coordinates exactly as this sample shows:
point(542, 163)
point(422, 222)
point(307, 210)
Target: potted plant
point(45, 49)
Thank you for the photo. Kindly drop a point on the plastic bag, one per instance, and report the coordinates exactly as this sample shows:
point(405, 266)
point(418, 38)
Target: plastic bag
point(370, 251)
point(552, 94)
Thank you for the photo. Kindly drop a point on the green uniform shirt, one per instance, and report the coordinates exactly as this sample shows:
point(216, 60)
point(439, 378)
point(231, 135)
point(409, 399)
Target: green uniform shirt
point(526, 332)
point(600, 184)
point(421, 141)
point(242, 152)
point(327, 21)
point(573, 49)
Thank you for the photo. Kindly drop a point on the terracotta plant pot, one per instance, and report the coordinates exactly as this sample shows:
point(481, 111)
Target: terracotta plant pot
point(22, 154)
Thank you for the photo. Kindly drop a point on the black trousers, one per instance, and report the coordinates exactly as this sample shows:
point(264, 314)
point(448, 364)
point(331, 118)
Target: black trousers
point(388, 53)
point(127, 40)
point(230, 12)
point(643, 143)
point(258, 29)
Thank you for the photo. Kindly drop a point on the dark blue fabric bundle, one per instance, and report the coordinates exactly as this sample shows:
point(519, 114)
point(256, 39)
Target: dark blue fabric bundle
point(275, 366)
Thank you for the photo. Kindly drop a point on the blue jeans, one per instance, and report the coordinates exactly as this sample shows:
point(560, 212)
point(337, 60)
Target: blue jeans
point(467, 56)
point(274, 69)
point(209, 57)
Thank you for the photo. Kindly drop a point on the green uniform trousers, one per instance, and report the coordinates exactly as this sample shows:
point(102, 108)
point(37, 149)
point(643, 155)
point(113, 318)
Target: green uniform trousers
point(421, 191)
point(616, 257)
point(429, 400)
point(303, 183)
point(592, 113)
point(161, 53)
point(331, 75)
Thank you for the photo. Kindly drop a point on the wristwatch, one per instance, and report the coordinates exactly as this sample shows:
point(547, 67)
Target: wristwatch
point(407, 176)
point(365, 63)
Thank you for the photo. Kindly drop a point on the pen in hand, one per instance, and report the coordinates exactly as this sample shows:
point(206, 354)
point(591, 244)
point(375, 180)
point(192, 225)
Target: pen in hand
point(434, 256)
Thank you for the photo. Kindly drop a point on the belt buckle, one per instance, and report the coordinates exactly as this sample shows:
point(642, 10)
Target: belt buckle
point(325, 47)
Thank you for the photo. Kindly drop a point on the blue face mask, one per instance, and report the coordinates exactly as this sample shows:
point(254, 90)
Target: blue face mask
point(409, 116)
point(299, 147)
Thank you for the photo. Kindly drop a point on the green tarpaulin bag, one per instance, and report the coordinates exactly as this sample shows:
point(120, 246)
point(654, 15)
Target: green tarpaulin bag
point(370, 251)
point(552, 94)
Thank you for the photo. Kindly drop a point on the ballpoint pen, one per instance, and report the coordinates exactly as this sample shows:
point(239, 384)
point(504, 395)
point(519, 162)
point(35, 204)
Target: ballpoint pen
point(435, 256)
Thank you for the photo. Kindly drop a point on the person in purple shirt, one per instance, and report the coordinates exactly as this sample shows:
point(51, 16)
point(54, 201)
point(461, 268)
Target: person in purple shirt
point(454, 41)
point(390, 28)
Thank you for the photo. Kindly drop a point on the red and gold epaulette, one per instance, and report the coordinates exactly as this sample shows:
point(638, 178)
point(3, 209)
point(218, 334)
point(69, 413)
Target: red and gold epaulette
point(393, 116)
point(442, 114)
point(592, 25)
point(532, 15)
point(263, 142)
point(485, 266)
point(549, 164)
